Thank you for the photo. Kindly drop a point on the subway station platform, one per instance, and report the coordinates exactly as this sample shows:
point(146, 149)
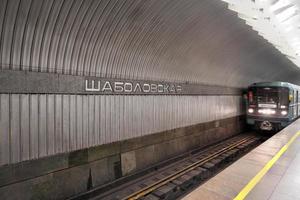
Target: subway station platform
point(270, 171)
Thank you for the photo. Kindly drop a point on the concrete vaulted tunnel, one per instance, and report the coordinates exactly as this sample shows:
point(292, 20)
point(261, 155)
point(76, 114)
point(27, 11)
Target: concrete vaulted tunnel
point(97, 138)
point(195, 41)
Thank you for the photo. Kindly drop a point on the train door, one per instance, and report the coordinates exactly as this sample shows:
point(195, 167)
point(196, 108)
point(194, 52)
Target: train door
point(296, 104)
point(293, 104)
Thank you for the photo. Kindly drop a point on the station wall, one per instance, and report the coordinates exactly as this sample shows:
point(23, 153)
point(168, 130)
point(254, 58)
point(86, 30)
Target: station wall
point(183, 42)
point(174, 40)
point(34, 126)
point(64, 139)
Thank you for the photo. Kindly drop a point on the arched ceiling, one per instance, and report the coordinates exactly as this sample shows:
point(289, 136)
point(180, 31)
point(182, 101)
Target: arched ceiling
point(169, 40)
point(278, 21)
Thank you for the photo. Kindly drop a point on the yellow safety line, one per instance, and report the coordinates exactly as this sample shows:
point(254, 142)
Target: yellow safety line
point(245, 191)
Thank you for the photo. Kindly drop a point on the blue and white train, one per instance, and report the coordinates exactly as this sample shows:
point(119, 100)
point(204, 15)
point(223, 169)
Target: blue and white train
point(272, 105)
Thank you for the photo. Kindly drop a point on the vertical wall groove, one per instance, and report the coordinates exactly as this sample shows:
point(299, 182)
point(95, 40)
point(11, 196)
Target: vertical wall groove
point(2, 26)
point(46, 27)
point(24, 36)
point(33, 42)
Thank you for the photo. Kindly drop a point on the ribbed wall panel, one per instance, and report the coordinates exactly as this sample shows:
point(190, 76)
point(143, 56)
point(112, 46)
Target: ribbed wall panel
point(170, 40)
point(34, 126)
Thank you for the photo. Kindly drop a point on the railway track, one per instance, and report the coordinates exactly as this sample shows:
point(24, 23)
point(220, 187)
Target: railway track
point(173, 180)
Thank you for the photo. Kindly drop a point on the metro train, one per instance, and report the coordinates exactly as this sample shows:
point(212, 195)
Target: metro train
point(272, 105)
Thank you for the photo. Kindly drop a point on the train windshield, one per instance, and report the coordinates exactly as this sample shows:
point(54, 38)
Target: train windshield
point(268, 95)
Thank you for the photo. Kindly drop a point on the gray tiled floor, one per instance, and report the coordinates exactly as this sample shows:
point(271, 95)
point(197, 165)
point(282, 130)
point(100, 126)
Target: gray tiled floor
point(265, 187)
point(287, 170)
point(279, 196)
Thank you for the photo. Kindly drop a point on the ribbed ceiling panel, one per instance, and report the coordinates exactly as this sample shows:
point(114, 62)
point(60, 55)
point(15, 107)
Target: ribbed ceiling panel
point(170, 40)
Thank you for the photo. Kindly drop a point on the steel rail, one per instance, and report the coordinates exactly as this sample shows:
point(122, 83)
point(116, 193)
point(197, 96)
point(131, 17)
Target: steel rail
point(143, 192)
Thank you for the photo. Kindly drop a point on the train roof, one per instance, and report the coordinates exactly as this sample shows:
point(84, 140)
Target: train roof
point(275, 84)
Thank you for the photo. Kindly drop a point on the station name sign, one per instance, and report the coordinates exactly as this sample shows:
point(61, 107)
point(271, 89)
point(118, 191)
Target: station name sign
point(105, 86)
point(23, 82)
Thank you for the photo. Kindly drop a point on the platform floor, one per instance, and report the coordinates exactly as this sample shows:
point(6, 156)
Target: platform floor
point(261, 174)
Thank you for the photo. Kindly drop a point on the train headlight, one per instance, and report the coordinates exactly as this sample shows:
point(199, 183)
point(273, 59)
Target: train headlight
point(284, 112)
point(266, 111)
point(250, 110)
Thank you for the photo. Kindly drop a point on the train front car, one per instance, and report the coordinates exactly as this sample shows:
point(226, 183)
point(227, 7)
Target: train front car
point(272, 106)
